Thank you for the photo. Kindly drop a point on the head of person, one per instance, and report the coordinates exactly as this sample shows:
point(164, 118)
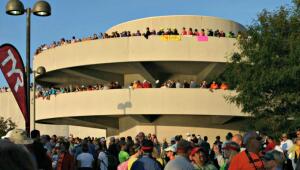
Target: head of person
point(129, 138)
point(136, 150)
point(177, 138)
point(147, 146)
point(64, 146)
point(184, 148)
point(149, 136)
point(170, 151)
point(270, 139)
point(237, 138)
point(205, 138)
point(284, 137)
point(216, 148)
point(252, 141)
point(229, 136)
point(45, 139)
point(122, 139)
point(198, 155)
point(230, 149)
point(35, 134)
point(298, 133)
point(273, 159)
point(123, 145)
point(141, 136)
point(112, 140)
point(85, 148)
point(18, 136)
point(14, 156)
point(218, 138)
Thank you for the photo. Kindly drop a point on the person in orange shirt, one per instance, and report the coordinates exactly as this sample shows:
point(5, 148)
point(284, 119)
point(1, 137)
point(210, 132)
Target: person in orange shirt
point(214, 85)
point(248, 159)
point(224, 86)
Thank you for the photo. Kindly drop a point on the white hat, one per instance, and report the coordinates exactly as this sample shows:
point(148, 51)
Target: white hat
point(171, 148)
point(18, 136)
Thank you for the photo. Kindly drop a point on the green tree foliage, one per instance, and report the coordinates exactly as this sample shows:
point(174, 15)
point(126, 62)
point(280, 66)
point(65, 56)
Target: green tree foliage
point(6, 125)
point(266, 71)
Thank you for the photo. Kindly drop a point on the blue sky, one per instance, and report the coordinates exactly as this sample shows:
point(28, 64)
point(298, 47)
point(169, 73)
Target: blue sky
point(84, 17)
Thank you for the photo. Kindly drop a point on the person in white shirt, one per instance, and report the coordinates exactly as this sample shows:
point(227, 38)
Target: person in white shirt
point(85, 160)
point(102, 159)
point(286, 143)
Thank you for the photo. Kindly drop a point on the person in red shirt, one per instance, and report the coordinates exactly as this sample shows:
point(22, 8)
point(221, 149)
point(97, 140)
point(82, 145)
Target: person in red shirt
point(270, 144)
point(190, 32)
point(146, 84)
point(184, 32)
point(196, 32)
point(248, 159)
point(65, 160)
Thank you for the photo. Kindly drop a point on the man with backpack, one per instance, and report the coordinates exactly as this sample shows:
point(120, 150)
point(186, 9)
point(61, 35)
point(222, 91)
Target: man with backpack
point(147, 162)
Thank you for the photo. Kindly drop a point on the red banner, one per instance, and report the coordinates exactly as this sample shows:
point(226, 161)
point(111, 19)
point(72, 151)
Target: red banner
point(13, 70)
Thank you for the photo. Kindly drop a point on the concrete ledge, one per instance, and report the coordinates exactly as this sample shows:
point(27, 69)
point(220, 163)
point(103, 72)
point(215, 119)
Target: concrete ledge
point(121, 102)
point(135, 49)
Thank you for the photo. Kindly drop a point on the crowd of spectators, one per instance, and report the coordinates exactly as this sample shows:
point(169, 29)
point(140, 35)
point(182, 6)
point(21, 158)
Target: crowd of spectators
point(193, 84)
point(252, 151)
point(146, 34)
point(45, 93)
point(4, 89)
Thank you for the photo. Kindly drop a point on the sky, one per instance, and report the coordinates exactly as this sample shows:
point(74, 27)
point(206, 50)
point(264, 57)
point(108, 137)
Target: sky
point(82, 18)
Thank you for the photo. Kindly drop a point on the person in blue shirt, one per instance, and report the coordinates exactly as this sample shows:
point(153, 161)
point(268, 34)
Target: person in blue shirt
point(146, 162)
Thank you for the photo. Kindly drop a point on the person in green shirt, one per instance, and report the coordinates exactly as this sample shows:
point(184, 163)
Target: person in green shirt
point(123, 155)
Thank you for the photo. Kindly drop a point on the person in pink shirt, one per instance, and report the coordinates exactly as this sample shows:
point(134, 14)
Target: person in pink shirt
point(202, 32)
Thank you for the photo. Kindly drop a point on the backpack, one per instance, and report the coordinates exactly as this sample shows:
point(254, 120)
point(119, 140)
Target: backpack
point(112, 161)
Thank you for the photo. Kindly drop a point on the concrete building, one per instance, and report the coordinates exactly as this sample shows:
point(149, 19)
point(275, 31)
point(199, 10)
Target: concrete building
point(121, 112)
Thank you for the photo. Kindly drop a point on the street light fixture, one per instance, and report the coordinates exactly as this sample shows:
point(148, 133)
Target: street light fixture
point(40, 8)
point(15, 7)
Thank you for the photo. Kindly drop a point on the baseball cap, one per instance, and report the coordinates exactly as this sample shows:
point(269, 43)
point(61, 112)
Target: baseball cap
point(147, 146)
point(249, 135)
point(18, 136)
point(171, 148)
point(231, 146)
point(197, 149)
point(274, 155)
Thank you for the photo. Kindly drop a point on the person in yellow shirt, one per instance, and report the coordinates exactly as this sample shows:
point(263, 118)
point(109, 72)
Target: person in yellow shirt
point(295, 154)
point(135, 156)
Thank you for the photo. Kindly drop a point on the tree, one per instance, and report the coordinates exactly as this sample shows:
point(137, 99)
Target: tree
point(6, 125)
point(266, 71)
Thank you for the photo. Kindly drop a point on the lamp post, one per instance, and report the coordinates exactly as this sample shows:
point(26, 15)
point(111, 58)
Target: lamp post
point(40, 8)
point(40, 71)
